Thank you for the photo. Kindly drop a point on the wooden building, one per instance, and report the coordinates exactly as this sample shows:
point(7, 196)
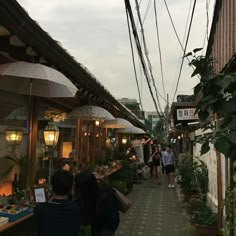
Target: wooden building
point(222, 40)
point(22, 39)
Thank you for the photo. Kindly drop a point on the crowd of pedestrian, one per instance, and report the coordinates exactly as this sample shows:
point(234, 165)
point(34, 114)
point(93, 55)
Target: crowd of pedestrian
point(164, 159)
point(83, 205)
point(92, 209)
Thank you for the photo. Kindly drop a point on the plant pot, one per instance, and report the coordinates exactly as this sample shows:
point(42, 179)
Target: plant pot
point(206, 230)
point(188, 196)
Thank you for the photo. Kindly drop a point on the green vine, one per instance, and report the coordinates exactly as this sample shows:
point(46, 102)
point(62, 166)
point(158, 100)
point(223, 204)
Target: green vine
point(216, 95)
point(216, 108)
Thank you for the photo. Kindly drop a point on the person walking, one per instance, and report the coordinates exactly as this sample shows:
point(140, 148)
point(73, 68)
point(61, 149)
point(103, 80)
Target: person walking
point(156, 162)
point(60, 216)
point(169, 163)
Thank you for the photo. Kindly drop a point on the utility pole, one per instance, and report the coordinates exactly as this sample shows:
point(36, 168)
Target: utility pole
point(167, 121)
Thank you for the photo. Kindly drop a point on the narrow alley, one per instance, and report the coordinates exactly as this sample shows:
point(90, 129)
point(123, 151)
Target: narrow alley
point(156, 211)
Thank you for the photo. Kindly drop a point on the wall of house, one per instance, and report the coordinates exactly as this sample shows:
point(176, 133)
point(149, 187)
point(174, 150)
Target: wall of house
point(210, 160)
point(224, 44)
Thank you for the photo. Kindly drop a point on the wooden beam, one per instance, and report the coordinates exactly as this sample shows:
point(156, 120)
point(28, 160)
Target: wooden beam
point(32, 145)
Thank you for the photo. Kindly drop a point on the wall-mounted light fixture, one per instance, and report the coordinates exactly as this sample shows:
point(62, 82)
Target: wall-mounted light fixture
point(13, 135)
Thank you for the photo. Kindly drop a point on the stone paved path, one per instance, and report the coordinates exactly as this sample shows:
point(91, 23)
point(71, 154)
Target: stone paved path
point(156, 211)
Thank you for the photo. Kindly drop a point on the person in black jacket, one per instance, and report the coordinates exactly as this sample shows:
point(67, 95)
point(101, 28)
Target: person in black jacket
point(98, 204)
point(60, 216)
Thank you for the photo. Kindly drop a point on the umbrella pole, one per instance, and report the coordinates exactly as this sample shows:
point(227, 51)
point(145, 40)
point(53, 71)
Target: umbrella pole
point(78, 141)
point(32, 139)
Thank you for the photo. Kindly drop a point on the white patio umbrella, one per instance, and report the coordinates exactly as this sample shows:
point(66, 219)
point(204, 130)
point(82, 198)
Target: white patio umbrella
point(117, 123)
point(35, 79)
point(90, 112)
point(131, 130)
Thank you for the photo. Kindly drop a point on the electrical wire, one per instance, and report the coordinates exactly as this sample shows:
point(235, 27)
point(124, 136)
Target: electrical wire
point(183, 40)
point(146, 55)
point(176, 33)
point(159, 48)
point(186, 44)
point(133, 60)
point(140, 53)
point(147, 10)
point(206, 37)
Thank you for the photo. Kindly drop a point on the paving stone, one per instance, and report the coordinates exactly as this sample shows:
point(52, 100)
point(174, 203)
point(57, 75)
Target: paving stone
point(156, 211)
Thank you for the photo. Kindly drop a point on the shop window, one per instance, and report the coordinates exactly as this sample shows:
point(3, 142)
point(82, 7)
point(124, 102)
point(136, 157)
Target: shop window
point(66, 149)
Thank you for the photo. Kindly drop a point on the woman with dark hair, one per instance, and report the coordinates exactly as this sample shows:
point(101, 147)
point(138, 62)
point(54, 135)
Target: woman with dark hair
point(156, 162)
point(97, 204)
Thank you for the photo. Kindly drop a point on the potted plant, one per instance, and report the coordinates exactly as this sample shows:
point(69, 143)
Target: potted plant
point(192, 177)
point(21, 164)
point(204, 219)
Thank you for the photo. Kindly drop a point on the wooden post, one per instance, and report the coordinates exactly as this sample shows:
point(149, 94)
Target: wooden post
point(32, 144)
point(60, 144)
point(93, 146)
point(219, 183)
point(78, 140)
point(219, 191)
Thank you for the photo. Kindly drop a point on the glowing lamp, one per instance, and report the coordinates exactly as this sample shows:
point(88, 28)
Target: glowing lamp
point(97, 122)
point(124, 140)
point(51, 135)
point(13, 136)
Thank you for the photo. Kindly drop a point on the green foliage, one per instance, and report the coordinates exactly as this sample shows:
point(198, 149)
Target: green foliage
point(159, 131)
point(204, 216)
point(120, 186)
point(193, 176)
point(148, 124)
point(21, 163)
point(217, 94)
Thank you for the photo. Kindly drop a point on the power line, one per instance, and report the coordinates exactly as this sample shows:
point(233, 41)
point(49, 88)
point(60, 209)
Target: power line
point(146, 54)
point(173, 25)
point(206, 37)
point(186, 44)
point(135, 71)
point(139, 49)
point(146, 12)
point(183, 40)
point(159, 48)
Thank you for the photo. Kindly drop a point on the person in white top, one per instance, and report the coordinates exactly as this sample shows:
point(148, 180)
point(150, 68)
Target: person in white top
point(169, 163)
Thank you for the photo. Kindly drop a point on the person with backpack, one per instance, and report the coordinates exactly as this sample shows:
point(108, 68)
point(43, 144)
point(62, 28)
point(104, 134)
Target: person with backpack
point(99, 208)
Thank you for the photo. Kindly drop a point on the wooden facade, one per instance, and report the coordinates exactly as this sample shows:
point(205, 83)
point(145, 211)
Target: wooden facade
point(222, 41)
point(22, 39)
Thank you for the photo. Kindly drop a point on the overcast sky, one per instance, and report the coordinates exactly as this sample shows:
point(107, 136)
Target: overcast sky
point(95, 32)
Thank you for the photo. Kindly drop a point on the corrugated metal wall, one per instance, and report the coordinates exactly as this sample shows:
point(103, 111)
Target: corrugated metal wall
point(224, 44)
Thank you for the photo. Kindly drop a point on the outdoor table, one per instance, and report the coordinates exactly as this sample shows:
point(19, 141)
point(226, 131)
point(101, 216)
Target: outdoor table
point(23, 226)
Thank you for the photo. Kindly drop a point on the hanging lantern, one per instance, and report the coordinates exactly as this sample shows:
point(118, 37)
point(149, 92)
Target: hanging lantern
point(124, 140)
point(51, 134)
point(13, 136)
point(97, 122)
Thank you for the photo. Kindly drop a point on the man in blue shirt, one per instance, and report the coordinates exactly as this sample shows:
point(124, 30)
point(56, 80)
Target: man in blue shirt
point(60, 216)
point(168, 159)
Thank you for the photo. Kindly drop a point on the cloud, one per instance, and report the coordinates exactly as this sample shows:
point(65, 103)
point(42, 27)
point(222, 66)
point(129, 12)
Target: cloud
point(95, 33)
